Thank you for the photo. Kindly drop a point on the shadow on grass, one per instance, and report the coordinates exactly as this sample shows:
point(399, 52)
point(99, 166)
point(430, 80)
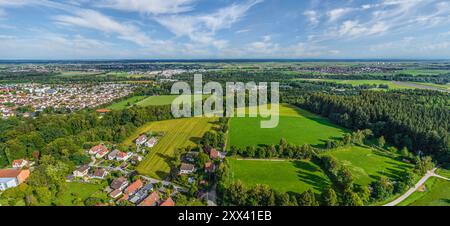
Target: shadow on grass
point(306, 174)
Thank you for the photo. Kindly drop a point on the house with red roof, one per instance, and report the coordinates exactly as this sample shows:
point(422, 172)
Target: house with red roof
point(101, 153)
point(151, 200)
point(133, 188)
point(209, 167)
point(168, 202)
point(10, 178)
point(98, 148)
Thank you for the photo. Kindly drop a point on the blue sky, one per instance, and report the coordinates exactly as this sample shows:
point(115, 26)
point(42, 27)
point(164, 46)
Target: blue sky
point(193, 29)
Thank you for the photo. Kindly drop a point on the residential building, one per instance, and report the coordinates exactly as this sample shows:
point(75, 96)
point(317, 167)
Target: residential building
point(101, 153)
point(120, 183)
point(96, 149)
point(122, 156)
point(100, 174)
point(152, 142)
point(168, 202)
point(81, 171)
point(187, 168)
point(10, 178)
point(132, 188)
point(19, 163)
point(115, 194)
point(113, 154)
point(151, 200)
point(141, 140)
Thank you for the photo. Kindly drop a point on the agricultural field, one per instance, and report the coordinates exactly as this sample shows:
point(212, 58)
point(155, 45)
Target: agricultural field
point(283, 176)
point(179, 133)
point(423, 72)
point(81, 191)
point(297, 126)
point(391, 84)
point(125, 103)
point(367, 164)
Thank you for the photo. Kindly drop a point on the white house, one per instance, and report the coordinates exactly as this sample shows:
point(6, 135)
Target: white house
point(141, 140)
point(122, 156)
point(81, 171)
point(152, 142)
point(187, 168)
point(101, 153)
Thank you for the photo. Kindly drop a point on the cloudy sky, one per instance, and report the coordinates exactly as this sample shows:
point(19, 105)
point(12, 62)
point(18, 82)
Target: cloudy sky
point(168, 29)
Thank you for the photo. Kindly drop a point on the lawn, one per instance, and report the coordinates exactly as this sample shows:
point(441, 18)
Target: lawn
point(367, 164)
point(297, 126)
point(125, 103)
point(179, 133)
point(437, 194)
point(83, 191)
point(283, 176)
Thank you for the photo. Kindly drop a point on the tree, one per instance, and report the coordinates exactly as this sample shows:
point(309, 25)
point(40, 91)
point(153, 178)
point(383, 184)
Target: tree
point(329, 197)
point(307, 198)
point(381, 142)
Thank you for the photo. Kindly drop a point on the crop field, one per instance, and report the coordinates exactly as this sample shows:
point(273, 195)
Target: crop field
point(125, 103)
point(367, 164)
point(179, 133)
point(391, 84)
point(283, 176)
point(159, 100)
point(423, 72)
point(297, 126)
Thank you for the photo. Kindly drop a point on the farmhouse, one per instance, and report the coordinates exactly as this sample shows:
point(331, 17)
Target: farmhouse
point(99, 174)
point(19, 163)
point(10, 178)
point(96, 149)
point(141, 140)
point(152, 142)
point(131, 190)
point(151, 200)
point(214, 154)
point(81, 171)
point(119, 183)
point(187, 168)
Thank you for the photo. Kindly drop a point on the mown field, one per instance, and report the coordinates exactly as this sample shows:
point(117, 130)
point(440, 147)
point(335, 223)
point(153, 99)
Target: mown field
point(125, 103)
point(179, 133)
point(437, 194)
point(297, 126)
point(367, 164)
point(283, 176)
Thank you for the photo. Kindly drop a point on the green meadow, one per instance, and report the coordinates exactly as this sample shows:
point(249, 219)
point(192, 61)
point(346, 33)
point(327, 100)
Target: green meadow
point(367, 164)
point(125, 103)
point(297, 126)
point(283, 176)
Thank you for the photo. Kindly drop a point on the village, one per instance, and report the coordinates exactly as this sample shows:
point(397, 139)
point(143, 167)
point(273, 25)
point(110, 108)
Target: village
point(117, 169)
point(33, 97)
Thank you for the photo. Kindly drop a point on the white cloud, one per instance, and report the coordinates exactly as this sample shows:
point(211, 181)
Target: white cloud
point(353, 29)
point(336, 14)
point(98, 21)
point(202, 28)
point(312, 16)
point(150, 6)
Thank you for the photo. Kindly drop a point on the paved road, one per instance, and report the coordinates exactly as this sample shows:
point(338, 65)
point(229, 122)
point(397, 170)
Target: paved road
point(400, 199)
point(212, 196)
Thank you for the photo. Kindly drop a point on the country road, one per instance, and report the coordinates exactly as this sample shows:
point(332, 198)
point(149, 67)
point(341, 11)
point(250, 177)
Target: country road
point(427, 176)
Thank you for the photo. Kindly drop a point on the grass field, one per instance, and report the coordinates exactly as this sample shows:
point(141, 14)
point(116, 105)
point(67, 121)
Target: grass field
point(125, 103)
point(437, 194)
point(159, 100)
point(367, 164)
point(283, 176)
point(179, 133)
point(83, 191)
point(297, 126)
